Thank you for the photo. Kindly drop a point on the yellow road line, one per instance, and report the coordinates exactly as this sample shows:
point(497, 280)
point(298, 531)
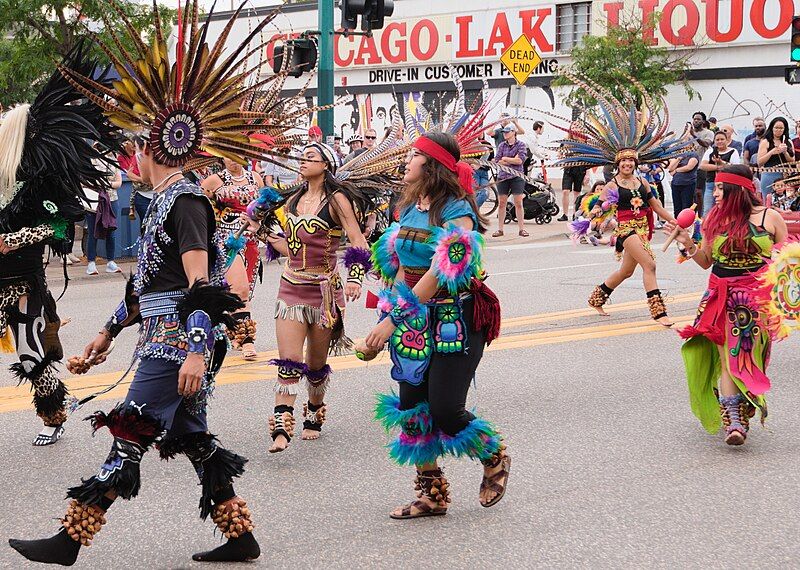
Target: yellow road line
point(239, 370)
point(588, 311)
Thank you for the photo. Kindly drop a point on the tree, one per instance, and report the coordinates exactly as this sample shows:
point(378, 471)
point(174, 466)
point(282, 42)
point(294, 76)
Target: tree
point(625, 52)
point(35, 34)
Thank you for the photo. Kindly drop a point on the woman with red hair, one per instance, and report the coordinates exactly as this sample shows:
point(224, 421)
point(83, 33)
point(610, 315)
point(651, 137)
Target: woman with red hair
point(727, 349)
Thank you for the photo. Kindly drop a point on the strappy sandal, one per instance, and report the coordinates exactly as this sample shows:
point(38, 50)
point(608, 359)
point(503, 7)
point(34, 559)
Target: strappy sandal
point(493, 482)
point(523, 233)
point(281, 422)
point(249, 354)
point(313, 418)
point(498, 233)
point(432, 485)
point(43, 438)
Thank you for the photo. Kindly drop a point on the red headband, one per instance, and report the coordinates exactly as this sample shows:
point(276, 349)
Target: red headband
point(440, 155)
point(736, 179)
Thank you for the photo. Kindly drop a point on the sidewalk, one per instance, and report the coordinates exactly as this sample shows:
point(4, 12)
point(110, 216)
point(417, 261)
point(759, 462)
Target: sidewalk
point(554, 231)
point(77, 271)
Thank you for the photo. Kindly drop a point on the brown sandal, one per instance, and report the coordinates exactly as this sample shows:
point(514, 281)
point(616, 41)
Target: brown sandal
point(498, 233)
point(432, 485)
point(493, 481)
point(523, 233)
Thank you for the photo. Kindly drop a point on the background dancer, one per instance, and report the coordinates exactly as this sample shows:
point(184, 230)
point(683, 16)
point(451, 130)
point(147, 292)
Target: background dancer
point(626, 134)
point(231, 190)
point(727, 349)
point(309, 311)
point(37, 205)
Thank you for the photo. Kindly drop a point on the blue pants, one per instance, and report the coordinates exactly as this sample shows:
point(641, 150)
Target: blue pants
point(481, 178)
point(141, 203)
point(682, 197)
point(91, 241)
point(708, 198)
point(154, 391)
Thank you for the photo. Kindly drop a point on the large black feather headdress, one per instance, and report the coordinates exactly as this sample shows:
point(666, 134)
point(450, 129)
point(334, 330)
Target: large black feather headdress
point(46, 152)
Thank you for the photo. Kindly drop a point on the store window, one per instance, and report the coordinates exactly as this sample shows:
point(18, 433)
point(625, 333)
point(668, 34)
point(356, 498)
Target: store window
point(573, 23)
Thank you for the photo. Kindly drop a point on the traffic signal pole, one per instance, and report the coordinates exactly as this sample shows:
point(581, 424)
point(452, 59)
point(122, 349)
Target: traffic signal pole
point(325, 70)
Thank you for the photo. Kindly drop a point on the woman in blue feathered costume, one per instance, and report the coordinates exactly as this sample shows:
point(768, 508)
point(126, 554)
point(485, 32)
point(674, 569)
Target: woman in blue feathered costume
point(437, 316)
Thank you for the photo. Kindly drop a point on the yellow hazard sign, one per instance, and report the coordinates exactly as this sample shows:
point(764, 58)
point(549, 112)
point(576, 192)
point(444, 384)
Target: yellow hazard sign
point(521, 59)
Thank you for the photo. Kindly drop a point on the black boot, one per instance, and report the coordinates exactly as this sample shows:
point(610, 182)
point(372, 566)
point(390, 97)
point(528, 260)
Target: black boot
point(233, 519)
point(58, 549)
point(235, 550)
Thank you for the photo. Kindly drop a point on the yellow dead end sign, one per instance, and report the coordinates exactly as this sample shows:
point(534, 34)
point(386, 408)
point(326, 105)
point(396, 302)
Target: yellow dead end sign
point(521, 59)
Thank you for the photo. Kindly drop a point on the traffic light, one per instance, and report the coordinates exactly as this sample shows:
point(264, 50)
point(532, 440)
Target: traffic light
point(372, 13)
point(351, 10)
point(795, 45)
point(377, 11)
point(303, 53)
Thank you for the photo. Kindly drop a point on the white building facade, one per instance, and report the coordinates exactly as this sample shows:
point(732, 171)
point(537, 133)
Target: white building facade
point(742, 48)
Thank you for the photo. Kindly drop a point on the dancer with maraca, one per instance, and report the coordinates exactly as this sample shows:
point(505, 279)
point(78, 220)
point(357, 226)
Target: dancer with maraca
point(727, 349)
point(626, 134)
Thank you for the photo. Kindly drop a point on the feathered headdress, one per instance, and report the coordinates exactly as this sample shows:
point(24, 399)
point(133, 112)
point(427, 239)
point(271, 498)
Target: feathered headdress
point(466, 125)
point(46, 152)
point(616, 130)
point(193, 104)
point(379, 167)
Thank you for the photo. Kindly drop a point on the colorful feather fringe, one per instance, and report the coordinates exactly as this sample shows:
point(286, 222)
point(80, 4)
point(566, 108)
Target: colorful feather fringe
point(782, 277)
point(456, 257)
point(479, 440)
point(384, 257)
point(357, 256)
point(418, 443)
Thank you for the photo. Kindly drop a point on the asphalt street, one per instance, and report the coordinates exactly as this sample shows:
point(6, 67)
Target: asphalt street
point(610, 468)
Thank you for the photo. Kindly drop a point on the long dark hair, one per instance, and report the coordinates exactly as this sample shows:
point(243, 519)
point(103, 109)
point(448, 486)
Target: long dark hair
point(770, 136)
point(440, 185)
point(732, 216)
point(331, 185)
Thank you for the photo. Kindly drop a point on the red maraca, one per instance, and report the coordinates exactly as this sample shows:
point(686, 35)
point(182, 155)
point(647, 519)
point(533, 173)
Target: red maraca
point(684, 220)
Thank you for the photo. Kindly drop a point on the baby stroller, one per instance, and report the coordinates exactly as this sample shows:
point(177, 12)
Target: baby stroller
point(539, 203)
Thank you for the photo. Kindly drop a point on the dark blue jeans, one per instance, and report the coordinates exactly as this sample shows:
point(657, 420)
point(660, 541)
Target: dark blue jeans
point(682, 196)
point(91, 241)
point(481, 178)
point(141, 203)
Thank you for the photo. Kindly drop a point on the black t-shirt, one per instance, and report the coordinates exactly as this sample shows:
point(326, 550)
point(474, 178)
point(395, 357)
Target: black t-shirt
point(711, 175)
point(190, 224)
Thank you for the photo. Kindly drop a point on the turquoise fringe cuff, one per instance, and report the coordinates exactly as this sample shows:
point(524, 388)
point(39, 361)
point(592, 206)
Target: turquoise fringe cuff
point(479, 440)
point(417, 443)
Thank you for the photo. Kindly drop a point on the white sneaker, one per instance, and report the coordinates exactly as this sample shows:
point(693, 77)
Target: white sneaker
point(112, 267)
point(91, 269)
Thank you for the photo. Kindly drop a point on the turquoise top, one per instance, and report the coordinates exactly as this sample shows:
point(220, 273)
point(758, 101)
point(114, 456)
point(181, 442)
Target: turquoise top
point(411, 246)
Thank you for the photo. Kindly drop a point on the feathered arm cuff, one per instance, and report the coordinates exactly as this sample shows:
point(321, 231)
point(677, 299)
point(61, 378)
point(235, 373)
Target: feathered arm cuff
point(384, 256)
point(358, 263)
point(28, 236)
point(457, 257)
point(401, 304)
point(127, 312)
point(202, 308)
